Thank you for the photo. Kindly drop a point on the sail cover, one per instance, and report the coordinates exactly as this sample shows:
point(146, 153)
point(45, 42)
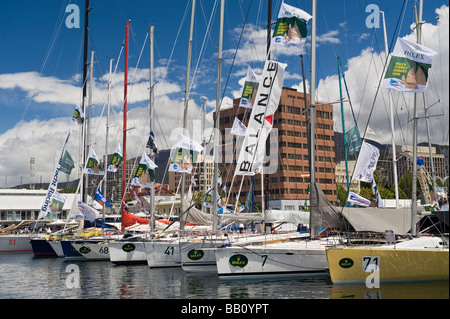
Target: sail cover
point(378, 219)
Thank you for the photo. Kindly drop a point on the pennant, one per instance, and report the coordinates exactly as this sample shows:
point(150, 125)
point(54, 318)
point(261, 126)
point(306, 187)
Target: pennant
point(380, 202)
point(93, 165)
point(250, 88)
point(78, 116)
point(135, 196)
point(354, 198)
point(67, 163)
point(87, 212)
point(408, 67)
point(370, 131)
point(252, 153)
point(366, 163)
point(116, 160)
point(57, 203)
point(145, 173)
point(238, 128)
point(291, 26)
point(99, 196)
point(185, 153)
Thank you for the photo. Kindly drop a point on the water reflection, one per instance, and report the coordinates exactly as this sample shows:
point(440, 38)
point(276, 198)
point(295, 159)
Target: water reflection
point(424, 290)
point(23, 277)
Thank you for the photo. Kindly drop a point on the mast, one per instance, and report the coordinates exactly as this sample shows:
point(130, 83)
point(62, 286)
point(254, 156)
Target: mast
point(124, 164)
point(152, 121)
point(217, 120)
point(83, 101)
point(414, 218)
point(88, 117)
point(105, 161)
point(204, 99)
point(186, 96)
point(343, 121)
point(394, 156)
point(312, 110)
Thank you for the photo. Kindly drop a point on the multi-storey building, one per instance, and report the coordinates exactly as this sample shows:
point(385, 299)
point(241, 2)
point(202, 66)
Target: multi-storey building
point(287, 171)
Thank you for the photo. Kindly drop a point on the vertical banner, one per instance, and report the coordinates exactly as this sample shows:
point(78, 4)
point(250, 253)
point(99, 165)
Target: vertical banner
point(252, 153)
point(53, 184)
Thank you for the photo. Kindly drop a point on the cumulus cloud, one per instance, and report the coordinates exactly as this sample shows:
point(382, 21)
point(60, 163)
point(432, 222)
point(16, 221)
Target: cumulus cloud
point(363, 73)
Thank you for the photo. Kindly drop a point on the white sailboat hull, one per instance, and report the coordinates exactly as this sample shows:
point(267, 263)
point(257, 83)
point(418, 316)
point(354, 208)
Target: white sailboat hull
point(127, 252)
point(200, 256)
point(162, 254)
point(56, 245)
point(93, 251)
point(299, 259)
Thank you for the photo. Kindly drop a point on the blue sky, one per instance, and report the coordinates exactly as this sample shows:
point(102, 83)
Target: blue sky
point(40, 73)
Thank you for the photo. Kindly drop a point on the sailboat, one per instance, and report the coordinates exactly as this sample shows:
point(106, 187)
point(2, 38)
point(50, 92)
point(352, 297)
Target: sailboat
point(418, 257)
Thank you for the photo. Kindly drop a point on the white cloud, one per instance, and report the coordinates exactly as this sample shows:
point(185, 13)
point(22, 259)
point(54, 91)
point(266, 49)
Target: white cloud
point(363, 73)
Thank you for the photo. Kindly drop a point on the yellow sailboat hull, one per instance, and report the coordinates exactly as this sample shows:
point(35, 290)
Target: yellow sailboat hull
point(351, 265)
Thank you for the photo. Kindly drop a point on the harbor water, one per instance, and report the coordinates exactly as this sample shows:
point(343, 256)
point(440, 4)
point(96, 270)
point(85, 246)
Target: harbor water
point(23, 276)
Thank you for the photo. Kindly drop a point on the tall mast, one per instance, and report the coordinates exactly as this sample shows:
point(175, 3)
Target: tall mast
point(343, 122)
point(152, 121)
point(217, 120)
point(394, 156)
point(186, 97)
point(105, 161)
point(124, 164)
point(312, 108)
point(83, 102)
point(414, 185)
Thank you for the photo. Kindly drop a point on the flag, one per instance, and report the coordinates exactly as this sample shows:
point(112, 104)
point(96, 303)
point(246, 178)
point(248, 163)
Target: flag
point(87, 212)
point(207, 200)
point(291, 26)
point(354, 198)
point(151, 143)
point(238, 128)
point(408, 67)
point(253, 149)
point(116, 160)
point(380, 202)
point(248, 201)
point(67, 163)
point(93, 165)
point(53, 184)
point(219, 178)
point(366, 163)
point(250, 88)
point(57, 203)
point(184, 154)
point(353, 140)
point(135, 196)
point(78, 115)
point(223, 197)
point(370, 131)
point(145, 173)
point(99, 196)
